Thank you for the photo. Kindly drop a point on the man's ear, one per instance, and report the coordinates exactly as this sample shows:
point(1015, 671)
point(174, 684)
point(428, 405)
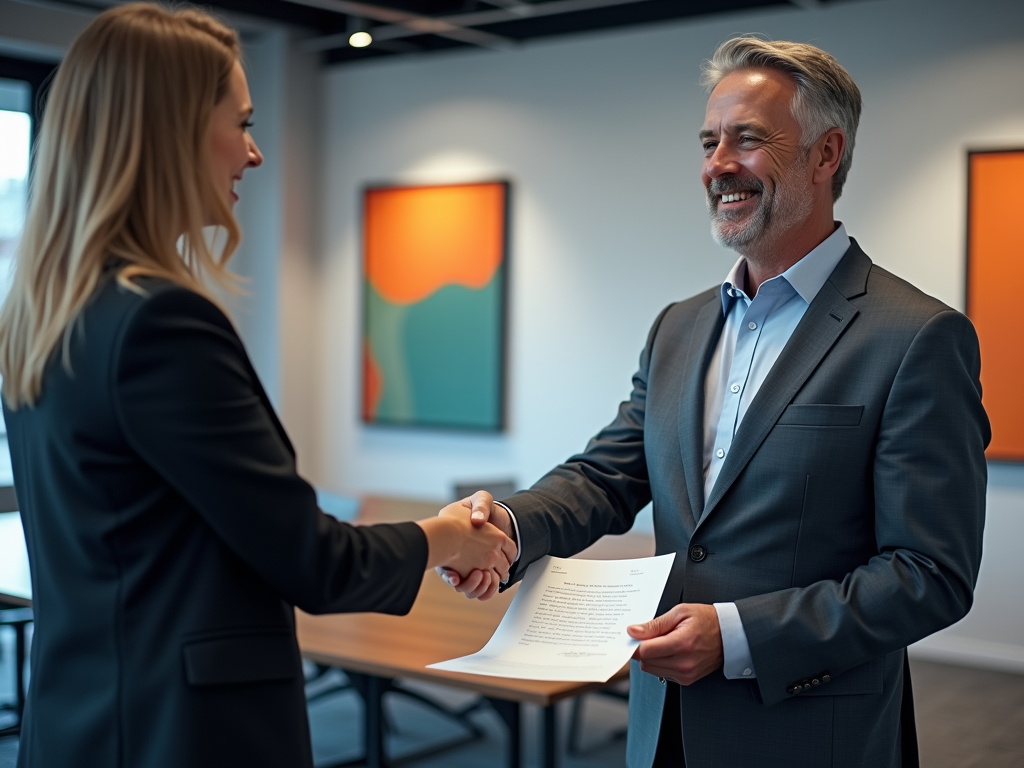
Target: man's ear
point(827, 153)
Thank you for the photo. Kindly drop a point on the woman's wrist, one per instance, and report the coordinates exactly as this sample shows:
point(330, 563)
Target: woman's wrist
point(440, 533)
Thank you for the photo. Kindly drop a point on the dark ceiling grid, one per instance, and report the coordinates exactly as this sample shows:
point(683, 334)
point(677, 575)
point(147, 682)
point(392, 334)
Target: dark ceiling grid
point(516, 28)
point(421, 26)
point(320, 19)
point(618, 16)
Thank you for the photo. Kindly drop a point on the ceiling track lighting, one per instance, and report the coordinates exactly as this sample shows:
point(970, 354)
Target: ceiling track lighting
point(360, 39)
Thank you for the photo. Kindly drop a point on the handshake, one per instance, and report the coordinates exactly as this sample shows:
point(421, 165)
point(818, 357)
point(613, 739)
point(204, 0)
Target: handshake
point(471, 545)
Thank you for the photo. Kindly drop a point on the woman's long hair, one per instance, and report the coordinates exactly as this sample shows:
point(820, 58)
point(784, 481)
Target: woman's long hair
point(120, 173)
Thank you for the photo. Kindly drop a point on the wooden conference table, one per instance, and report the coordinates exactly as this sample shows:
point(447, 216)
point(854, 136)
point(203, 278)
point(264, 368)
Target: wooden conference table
point(375, 650)
point(15, 581)
point(441, 625)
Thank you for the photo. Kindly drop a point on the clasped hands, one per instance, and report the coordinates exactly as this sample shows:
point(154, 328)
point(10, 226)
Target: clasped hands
point(684, 644)
point(467, 549)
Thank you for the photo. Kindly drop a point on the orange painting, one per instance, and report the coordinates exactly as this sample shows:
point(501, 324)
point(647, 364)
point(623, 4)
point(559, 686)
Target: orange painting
point(995, 255)
point(419, 239)
point(434, 260)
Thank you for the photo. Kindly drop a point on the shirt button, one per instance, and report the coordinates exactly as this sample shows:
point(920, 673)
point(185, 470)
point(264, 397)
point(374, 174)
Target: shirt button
point(735, 388)
point(748, 671)
point(752, 326)
point(720, 453)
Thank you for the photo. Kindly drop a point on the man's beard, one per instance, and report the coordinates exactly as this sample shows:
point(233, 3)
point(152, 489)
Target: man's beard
point(788, 205)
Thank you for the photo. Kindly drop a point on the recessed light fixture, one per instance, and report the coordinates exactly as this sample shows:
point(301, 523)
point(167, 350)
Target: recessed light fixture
point(360, 39)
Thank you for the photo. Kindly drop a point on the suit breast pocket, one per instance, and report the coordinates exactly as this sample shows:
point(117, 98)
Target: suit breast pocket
point(821, 415)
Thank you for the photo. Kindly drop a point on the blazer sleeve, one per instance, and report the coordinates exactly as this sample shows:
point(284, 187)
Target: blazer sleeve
point(929, 510)
point(190, 406)
point(597, 492)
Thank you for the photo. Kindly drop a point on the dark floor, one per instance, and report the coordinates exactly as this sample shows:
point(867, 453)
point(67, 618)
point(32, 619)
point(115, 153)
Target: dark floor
point(967, 718)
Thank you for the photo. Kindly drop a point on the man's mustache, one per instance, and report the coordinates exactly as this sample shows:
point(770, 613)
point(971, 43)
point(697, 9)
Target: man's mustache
point(729, 184)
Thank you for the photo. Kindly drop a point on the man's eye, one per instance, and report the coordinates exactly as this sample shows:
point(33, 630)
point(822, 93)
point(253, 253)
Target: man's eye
point(709, 146)
point(248, 124)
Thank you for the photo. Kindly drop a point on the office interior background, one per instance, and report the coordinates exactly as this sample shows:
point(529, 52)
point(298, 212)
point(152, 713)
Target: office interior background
point(597, 132)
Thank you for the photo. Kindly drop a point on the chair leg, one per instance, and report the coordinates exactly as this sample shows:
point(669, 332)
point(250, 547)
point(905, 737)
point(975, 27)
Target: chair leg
point(574, 726)
point(19, 673)
point(19, 660)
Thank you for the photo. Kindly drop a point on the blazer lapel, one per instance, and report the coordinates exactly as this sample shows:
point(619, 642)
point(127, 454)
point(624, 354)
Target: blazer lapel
point(706, 331)
point(829, 314)
point(262, 393)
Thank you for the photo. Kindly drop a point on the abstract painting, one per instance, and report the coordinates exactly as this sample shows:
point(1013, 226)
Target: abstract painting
point(435, 268)
point(995, 254)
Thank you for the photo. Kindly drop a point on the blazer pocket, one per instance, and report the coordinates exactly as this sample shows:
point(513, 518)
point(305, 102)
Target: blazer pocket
point(824, 415)
point(257, 657)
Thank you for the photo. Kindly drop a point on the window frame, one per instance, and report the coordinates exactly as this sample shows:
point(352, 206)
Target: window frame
point(38, 75)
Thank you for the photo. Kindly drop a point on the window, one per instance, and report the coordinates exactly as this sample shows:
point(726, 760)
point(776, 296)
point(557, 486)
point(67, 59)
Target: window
point(15, 138)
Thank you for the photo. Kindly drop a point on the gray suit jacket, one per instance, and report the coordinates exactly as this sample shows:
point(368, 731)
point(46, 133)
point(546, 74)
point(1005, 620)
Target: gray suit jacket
point(846, 522)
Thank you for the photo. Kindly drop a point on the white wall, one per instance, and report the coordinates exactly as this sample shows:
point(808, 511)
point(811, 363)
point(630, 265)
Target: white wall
point(598, 135)
point(260, 209)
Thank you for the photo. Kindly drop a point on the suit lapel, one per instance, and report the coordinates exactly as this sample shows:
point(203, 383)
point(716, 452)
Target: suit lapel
point(828, 316)
point(264, 397)
point(706, 331)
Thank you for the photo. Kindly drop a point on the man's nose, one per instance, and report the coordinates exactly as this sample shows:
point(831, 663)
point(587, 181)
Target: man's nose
point(721, 162)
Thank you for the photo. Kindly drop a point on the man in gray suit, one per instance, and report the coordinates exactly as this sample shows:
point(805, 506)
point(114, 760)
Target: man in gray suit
point(812, 437)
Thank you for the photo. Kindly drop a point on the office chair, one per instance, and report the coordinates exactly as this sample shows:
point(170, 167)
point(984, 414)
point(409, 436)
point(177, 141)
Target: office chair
point(17, 619)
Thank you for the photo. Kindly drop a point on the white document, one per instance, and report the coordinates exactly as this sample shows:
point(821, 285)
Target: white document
point(568, 620)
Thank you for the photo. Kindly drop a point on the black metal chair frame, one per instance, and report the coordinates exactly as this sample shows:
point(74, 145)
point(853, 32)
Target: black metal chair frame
point(574, 746)
point(361, 685)
point(18, 619)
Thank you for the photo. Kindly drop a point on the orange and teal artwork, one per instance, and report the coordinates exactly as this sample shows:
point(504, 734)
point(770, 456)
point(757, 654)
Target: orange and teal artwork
point(995, 251)
point(434, 292)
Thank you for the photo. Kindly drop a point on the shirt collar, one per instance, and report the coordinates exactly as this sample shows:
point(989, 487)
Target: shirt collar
point(806, 277)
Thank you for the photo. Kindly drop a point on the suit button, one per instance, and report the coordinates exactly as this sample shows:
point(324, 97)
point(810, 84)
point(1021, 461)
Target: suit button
point(826, 677)
point(698, 553)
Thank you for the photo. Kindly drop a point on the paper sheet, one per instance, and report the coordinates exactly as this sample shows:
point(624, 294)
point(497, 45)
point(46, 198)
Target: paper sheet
point(568, 620)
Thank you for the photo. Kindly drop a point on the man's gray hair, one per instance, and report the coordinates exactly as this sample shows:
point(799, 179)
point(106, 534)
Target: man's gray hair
point(826, 96)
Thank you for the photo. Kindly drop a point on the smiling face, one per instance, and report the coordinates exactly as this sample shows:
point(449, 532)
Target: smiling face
point(755, 171)
point(232, 149)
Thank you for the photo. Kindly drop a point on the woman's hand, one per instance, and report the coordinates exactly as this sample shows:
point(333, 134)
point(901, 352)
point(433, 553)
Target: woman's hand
point(462, 546)
point(478, 584)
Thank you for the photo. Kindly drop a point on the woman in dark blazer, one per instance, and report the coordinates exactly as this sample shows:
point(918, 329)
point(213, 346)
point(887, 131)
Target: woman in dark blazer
point(168, 531)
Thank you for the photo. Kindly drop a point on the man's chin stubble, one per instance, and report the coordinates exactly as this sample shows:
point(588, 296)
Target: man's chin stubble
point(743, 238)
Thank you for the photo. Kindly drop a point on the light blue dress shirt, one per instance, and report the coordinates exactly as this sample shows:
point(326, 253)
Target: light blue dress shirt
point(755, 332)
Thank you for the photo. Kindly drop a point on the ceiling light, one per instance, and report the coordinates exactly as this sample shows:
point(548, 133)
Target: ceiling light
point(360, 39)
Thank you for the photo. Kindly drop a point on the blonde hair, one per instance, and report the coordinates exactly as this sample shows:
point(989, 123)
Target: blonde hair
point(826, 96)
point(120, 173)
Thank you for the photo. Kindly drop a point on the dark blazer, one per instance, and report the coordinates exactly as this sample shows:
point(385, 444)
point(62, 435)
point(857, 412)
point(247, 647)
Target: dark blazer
point(846, 522)
point(169, 538)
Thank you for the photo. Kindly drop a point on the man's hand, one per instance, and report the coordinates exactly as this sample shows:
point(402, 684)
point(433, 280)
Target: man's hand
point(478, 584)
point(682, 645)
